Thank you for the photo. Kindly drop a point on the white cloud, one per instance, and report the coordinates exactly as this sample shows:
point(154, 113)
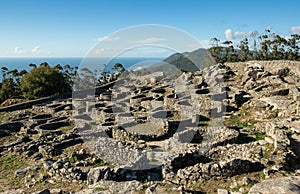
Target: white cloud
point(240, 34)
point(19, 50)
point(147, 40)
point(108, 38)
point(36, 50)
point(295, 30)
point(228, 34)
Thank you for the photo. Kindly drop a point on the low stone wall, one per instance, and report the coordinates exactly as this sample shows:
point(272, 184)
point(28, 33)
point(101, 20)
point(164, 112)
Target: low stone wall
point(280, 139)
point(215, 170)
point(187, 156)
point(31, 103)
point(50, 109)
point(123, 174)
point(53, 125)
point(218, 162)
point(168, 131)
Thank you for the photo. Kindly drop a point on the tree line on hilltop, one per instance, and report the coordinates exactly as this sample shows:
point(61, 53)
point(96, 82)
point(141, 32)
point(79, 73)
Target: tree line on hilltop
point(268, 46)
point(44, 80)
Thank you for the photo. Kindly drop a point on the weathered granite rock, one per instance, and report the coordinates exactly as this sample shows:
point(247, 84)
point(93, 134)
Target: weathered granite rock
point(56, 191)
point(46, 191)
point(108, 187)
point(18, 191)
point(222, 191)
point(287, 185)
point(97, 174)
point(215, 170)
point(57, 165)
point(22, 171)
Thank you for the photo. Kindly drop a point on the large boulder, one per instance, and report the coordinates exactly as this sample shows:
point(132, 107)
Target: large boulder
point(287, 185)
point(22, 171)
point(97, 174)
point(108, 187)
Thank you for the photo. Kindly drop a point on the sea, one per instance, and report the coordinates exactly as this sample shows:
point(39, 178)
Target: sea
point(90, 63)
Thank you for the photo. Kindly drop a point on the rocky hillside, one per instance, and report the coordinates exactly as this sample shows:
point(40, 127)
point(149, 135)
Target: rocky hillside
point(229, 128)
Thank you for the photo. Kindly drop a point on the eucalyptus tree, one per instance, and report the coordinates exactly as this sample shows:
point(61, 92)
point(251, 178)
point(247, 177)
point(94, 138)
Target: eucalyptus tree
point(229, 50)
point(32, 65)
point(244, 49)
point(4, 71)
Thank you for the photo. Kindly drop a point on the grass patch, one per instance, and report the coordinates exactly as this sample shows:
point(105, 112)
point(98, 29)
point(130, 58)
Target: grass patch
point(202, 123)
point(258, 135)
point(252, 136)
point(4, 117)
point(9, 163)
point(102, 163)
point(73, 159)
point(100, 189)
point(262, 175)
point(268, 152)
point(241, 119)
point(66, 129)
point(240, 122)
point(8, 166)
point(176, 117)
point(8, 181)
point(210, 186)
point(16, 182)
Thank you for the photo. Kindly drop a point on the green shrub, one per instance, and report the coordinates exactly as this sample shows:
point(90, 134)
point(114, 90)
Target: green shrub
point(44, 81)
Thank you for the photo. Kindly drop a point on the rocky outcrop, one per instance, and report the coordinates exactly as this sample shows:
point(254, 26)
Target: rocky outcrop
point(288, 185)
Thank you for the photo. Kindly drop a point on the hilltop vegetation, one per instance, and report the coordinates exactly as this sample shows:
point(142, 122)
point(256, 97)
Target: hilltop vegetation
point(44, 80)
point(268, 46)
point(38, 82)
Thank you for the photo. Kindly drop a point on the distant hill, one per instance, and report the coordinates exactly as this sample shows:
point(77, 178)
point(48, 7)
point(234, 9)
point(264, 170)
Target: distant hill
point(191, 61)
point(173, 65)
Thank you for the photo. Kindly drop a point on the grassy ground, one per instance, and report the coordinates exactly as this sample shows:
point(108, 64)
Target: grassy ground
point(9, 164)
point(66, 128)
point(4, 117)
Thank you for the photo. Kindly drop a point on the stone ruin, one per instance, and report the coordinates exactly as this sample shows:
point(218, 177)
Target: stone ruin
point(155, 128)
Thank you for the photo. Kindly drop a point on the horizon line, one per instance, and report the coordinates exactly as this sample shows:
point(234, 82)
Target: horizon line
point(79, 57)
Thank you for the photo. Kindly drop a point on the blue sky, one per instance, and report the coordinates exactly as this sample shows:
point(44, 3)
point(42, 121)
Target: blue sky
point(69, 28)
